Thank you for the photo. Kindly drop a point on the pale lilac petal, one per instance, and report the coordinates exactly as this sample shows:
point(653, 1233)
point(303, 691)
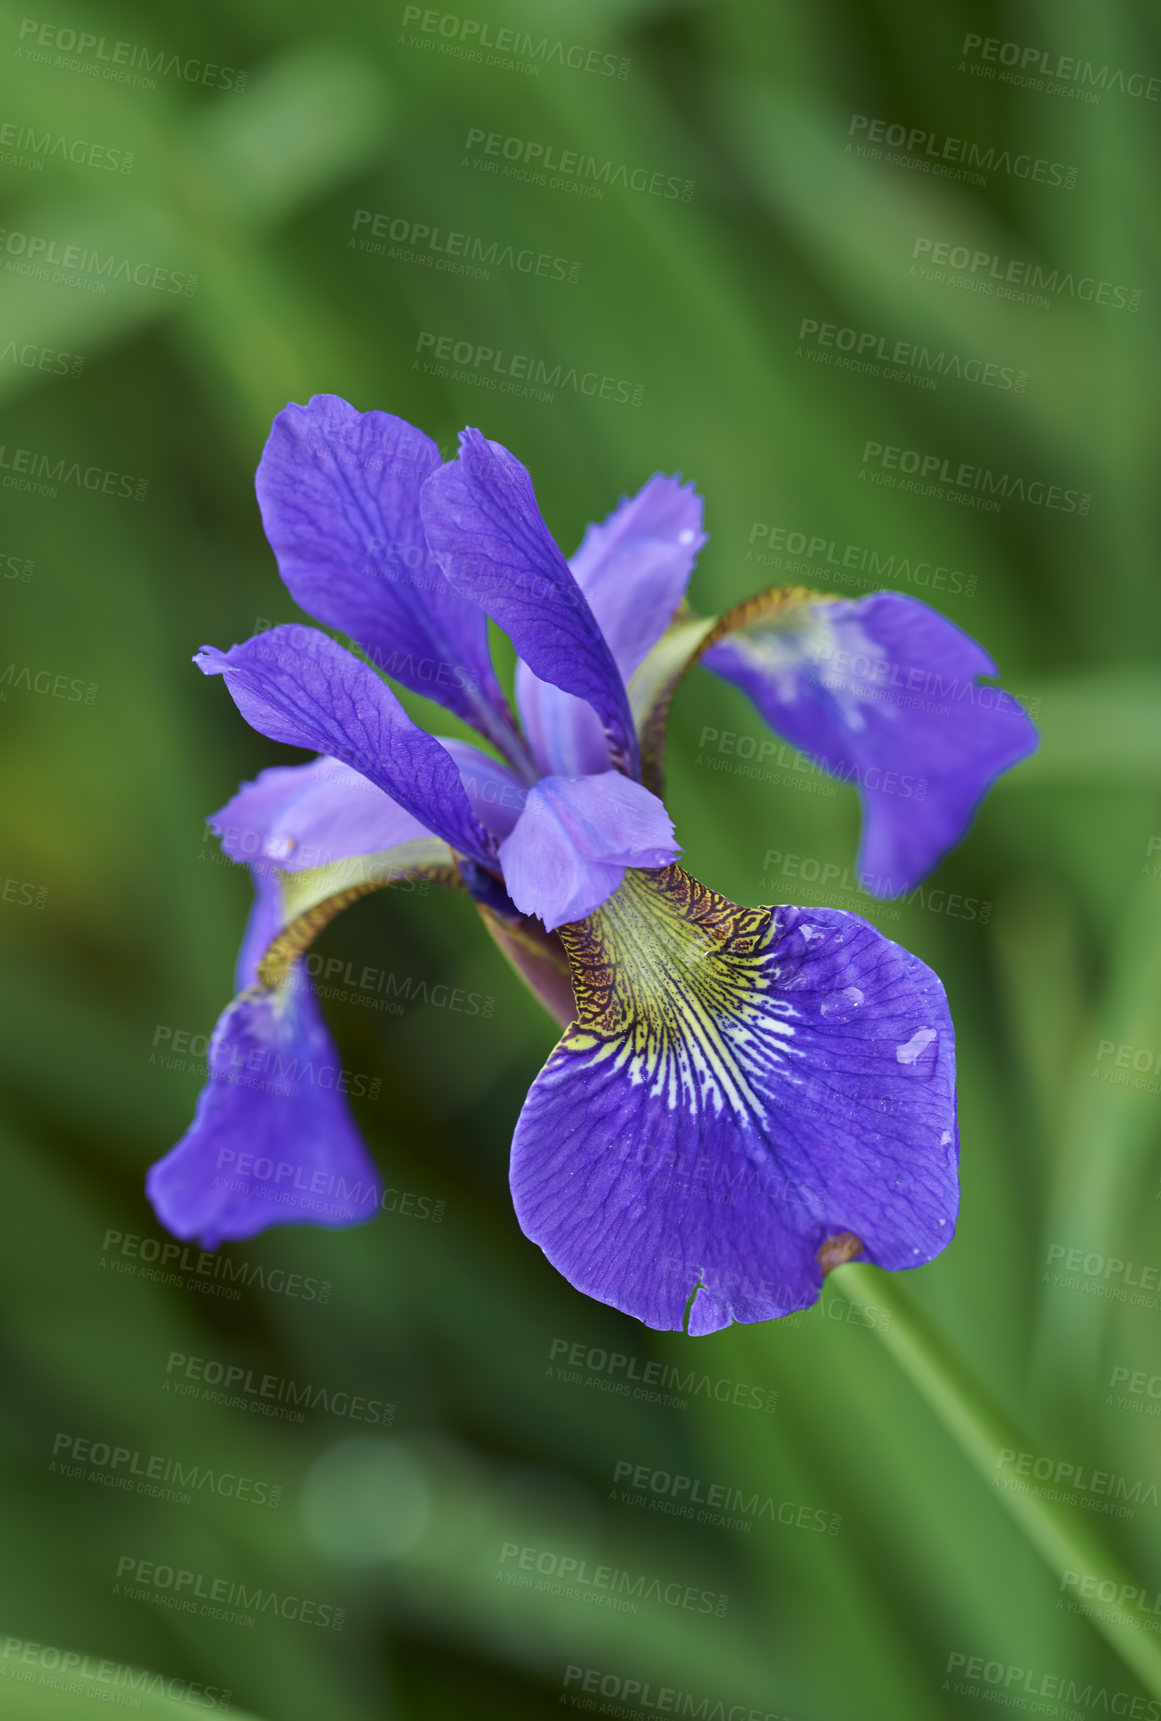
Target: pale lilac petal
point(572, 843)
point(495, 793)
point(299, 687)
point(303, 816)
point(633, 568)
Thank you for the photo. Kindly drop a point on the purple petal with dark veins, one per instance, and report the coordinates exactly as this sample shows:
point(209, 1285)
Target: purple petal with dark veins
point(747, 1094)
point(633, 568)
point(299, 687)
point(483, 523)
point(572, 843)
point(885, 693)
point(339, 494)
point(273, 1141)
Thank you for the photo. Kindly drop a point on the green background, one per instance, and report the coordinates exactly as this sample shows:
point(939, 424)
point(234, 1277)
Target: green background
point(255, 191)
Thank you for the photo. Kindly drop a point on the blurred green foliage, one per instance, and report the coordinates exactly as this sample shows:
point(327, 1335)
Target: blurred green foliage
point(255, 191)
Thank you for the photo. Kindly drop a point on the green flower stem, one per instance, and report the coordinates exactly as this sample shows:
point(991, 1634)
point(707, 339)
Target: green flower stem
point(982, 1430)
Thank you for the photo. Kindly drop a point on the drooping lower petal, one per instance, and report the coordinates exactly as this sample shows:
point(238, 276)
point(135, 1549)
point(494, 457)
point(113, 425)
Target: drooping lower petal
point(572, 843)
point(747, 1096)
point(883, 693)
point(273, 1141)
point(296, 685)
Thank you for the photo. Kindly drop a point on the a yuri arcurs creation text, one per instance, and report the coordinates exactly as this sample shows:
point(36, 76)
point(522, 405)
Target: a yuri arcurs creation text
point(793, 1056)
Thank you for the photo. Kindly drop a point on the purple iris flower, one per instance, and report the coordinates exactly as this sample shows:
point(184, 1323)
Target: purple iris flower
point(743, 1098)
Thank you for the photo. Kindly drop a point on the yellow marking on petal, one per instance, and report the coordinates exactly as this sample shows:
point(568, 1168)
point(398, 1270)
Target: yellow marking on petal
point(312, 899)
point(688, 637)
point(673, 984)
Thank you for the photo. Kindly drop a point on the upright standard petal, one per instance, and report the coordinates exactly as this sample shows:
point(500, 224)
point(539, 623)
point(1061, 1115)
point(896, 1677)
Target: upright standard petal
point(748, 1096)
point(339, 495)
point(884, 693)
point(297, 686)
point(572, 843)
point(633, 568)
point(484, 525)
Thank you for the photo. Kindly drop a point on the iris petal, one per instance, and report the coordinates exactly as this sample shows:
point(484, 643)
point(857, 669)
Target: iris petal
point(633, 568)
point(298, 686)
point(572, 843)
point(339, 494)
point(297, 817)
point(884, 693)
point(747, 1096)
point(273, 1140)
point(483, 523)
